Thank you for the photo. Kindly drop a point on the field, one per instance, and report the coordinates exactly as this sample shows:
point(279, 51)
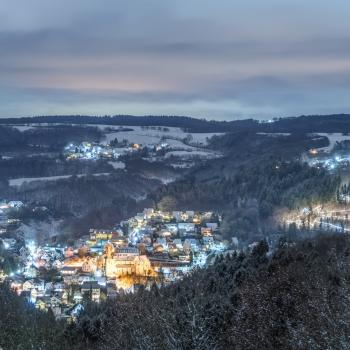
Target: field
point(21, 181)
point(333, 138)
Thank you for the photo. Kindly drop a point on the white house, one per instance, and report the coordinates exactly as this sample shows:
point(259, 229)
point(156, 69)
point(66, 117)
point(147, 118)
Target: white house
point(15, 204)
point(191, 244)
point(177, 215)
point(186, 227)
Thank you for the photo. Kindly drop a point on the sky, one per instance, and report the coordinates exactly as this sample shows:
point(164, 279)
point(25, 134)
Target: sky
point(222, 59)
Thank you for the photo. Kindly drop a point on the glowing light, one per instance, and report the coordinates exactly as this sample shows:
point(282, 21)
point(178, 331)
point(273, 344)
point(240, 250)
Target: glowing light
point(31, 247)
point(98, 273)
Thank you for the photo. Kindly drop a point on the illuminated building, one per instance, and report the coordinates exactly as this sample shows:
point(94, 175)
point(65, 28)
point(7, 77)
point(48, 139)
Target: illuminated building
point(128, 261)
point(206, 231)
point(104, 235)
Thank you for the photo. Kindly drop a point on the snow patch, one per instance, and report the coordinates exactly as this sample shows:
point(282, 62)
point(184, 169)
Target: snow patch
point(21, 181)
point(333, 138)
point(117, 164)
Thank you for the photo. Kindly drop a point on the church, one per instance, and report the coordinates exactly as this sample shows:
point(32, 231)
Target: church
point(126, 261)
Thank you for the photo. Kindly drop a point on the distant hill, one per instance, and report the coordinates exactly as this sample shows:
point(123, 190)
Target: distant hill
point(310, 123)
point(192, 124)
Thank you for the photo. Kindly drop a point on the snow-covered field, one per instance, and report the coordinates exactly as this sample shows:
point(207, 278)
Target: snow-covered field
point(146, 136)
point(333, 138)
point(274, 133)
point(190, 154)
point(179, 145)
point(23, 127)
point(173, 137)
point(151, 136)
point(139, 134)
point(182, 165)
point(21, 181)
point(117, 164)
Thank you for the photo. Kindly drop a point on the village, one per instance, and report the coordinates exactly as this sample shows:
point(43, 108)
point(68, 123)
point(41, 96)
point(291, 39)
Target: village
point(331, 163)
point(331, 217)
point(111, 151)
point(153, 247)
point(154, 144)
point(5, 220)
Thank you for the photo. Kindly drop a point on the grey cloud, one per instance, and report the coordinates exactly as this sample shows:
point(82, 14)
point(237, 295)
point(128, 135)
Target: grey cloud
point(174, 56)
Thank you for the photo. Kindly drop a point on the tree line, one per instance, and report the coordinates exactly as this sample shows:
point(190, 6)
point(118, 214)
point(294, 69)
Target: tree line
point(45, 138)
point(305, 124)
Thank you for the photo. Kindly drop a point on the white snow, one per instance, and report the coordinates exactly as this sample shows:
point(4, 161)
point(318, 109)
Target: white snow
point(179, 144)
point(117, 164)
point(153, 136)
point(274, 133)
point(142, 135)
point(190, 154)
point(182, 165)
point(23, 127)
point(21, 181)
point(145, 136)
point(333, 138)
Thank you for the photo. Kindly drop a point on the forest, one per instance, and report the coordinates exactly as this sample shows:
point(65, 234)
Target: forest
point(252, 179)
point(311, 123)
point(260, 299)
point(45, 138)
point(89, 201)
point(42, 166)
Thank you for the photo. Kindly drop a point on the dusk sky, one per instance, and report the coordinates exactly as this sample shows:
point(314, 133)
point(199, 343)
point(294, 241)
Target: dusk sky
point(219, 59)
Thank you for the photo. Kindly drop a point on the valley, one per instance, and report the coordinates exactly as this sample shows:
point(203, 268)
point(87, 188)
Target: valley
point(115, 211)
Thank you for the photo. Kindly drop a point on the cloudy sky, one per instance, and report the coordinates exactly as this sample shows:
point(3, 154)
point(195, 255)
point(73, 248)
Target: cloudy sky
point(222, 59)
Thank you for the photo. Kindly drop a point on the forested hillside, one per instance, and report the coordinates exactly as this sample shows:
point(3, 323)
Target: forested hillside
point(310, 123)
point(295, 298)
point(257, 174)
point(39, 166)
point(45, 138)
point(90, 201)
